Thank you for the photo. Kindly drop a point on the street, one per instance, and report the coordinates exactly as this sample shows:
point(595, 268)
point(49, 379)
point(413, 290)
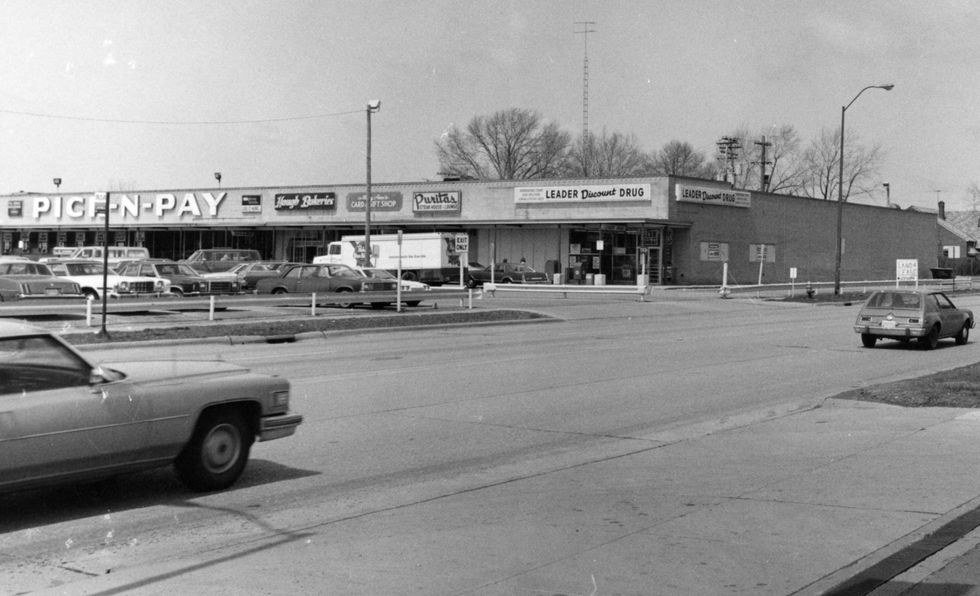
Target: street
point(580, 456)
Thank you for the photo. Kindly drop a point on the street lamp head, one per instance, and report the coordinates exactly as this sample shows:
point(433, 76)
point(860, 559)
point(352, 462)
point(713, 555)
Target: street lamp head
point(887, 87)
point(374, 105)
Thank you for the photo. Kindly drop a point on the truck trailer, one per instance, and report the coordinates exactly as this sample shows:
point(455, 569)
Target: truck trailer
point(431, 258)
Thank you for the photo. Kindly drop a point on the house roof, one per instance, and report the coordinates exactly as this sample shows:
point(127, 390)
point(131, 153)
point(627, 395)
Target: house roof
point(965, 224)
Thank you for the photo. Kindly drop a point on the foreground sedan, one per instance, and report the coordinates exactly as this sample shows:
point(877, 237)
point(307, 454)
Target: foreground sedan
point(65, 419)
point(906, 314)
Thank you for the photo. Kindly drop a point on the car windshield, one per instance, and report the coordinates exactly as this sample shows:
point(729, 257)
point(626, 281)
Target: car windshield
point(342, 270)
point(84, 268)
point(895, 300)
point(378, 273)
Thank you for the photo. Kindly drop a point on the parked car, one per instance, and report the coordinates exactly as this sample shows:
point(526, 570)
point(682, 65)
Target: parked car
point(504, 273)
point(89, 276)
point(184, 281)
point(22, 279)
point(67, 419)
point(308, 278)
point(250, 273)
point(904, 315)
point(407, 285)
point(210, 260)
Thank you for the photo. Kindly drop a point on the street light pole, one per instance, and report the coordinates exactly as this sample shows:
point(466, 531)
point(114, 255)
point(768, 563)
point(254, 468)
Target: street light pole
point(840, 185)
point(372, 106)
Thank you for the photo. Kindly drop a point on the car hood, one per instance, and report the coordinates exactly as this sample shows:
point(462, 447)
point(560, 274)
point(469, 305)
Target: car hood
point(169, 370)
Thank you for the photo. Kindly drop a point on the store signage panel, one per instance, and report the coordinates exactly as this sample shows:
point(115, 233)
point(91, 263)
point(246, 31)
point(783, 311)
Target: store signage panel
point(586, 193)
point(251, 203)
point(713, 196)
point(380, 201)
point(437, 202)
point(321, 201)
point(126, 207)
point(15, 208)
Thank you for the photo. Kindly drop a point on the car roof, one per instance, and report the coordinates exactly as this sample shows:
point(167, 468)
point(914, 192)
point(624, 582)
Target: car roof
point(13, 327)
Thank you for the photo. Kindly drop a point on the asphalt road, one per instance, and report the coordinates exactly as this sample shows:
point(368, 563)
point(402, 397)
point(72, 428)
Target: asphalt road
point(493, 460)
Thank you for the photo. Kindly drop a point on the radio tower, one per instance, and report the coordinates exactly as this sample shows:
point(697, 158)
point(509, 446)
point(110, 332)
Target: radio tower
point(585, 77)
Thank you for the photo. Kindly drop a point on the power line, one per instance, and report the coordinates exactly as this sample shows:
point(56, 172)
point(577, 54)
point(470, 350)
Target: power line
point(175, 122)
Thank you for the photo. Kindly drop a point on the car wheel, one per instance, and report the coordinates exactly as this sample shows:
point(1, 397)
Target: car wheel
point(868, 340)
point(217, 452)
point(345, 303)
point(279, 291)
point(930, 340)
point(964, 335)
point(409, 276)
point(177, 292)
point(91, 294)
point(470, 283)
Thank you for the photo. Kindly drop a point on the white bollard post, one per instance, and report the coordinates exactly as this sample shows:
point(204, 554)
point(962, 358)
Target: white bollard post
point(211, 309)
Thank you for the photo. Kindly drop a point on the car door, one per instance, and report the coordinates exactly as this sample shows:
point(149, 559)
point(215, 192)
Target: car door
point(952, 319)
point(53, 422)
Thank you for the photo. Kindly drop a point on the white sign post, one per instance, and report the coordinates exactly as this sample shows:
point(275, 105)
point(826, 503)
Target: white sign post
point(906, 270)
point(462, 248)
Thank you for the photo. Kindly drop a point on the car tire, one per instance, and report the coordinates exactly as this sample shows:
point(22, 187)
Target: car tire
point(471, 283)
point(964, 335)
point(217, 452)
point(177, 292)
point(345, 303)
point(931, 339)
point(279, 291)
point(91, 295)
point(868, 340)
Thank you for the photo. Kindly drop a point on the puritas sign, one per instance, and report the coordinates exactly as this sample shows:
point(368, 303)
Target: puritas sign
point(712, 196)
point(437, 202)
point(582, 194)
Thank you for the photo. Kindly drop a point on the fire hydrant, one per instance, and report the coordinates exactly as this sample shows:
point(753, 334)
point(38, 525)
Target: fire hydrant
point(809, 290)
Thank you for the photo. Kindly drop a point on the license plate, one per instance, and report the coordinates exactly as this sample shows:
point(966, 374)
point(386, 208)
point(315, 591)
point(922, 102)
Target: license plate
point(52, 292)
point(888, 324)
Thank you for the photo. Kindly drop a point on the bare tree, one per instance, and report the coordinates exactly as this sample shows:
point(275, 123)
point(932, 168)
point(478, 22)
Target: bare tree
point(679, 158)
point(607, 155)
point(820, 167)
point(513, 144)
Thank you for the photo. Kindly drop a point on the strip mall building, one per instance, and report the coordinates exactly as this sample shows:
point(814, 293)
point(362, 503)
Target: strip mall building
point(676, 230)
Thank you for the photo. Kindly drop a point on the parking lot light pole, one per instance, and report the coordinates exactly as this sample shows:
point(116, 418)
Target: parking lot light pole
point(840, 186)
point(372, 106)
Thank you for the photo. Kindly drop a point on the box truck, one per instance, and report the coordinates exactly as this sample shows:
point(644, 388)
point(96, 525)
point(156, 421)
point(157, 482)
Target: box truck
point(431, 258)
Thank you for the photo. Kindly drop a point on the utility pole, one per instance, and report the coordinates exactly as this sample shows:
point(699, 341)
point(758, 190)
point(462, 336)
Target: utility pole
point(763, 179)
point(728, 152)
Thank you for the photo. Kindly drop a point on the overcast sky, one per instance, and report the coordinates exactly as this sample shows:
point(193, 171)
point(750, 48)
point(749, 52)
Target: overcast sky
point(144, 95)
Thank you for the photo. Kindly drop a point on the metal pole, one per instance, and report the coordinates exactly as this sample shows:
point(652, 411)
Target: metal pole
point(840, 205)
point(840, 185)
point(367, 197)
point(103, 332)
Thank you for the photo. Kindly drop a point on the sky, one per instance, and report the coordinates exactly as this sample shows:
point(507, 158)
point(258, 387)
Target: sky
point(148, 94)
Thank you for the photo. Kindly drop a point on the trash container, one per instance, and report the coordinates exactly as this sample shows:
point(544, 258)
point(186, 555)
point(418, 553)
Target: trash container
point(589, 279)
point(600, 279)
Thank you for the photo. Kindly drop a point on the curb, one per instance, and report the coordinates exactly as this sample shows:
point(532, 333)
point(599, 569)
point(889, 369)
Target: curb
point(301, 336)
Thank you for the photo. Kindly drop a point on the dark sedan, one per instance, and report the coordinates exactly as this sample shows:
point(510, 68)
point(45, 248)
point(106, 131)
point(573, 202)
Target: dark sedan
point(504, 273)
point(23, 279)
point(309, 279)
